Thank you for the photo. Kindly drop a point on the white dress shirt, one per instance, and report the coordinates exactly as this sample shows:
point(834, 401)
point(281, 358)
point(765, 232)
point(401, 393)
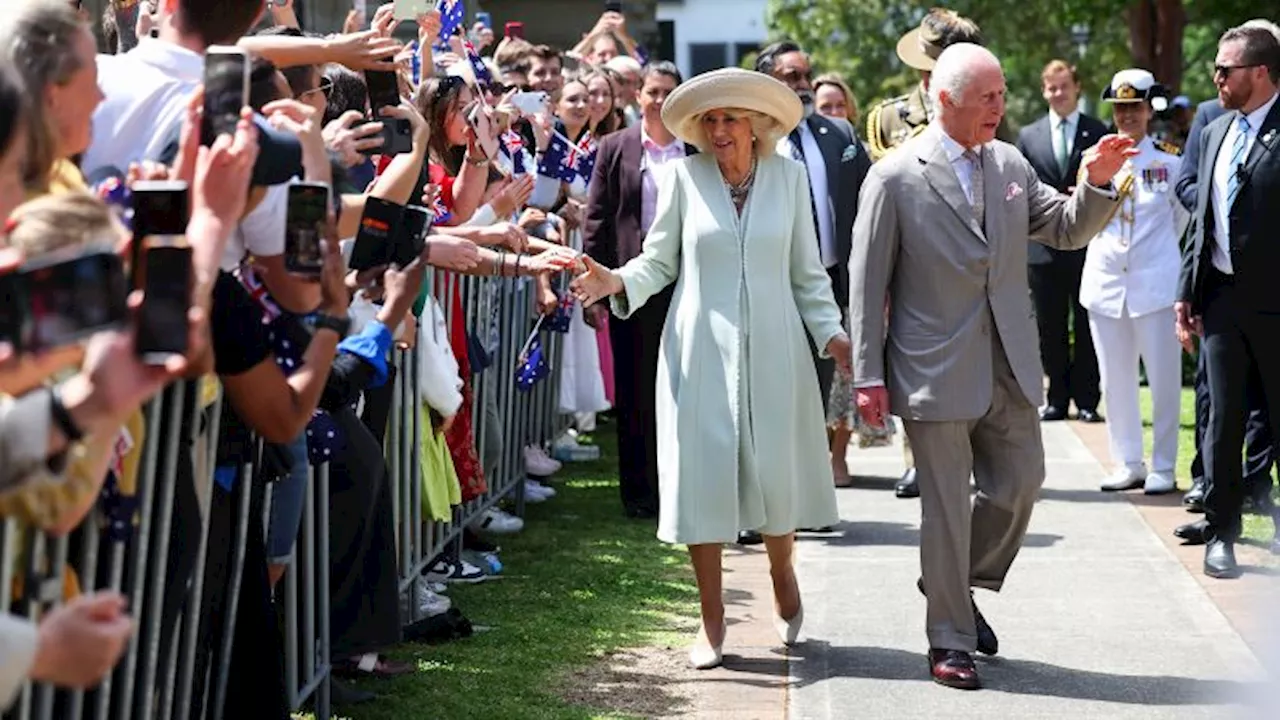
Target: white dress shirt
point(816, 164)
point(1222, 171)
point(1072, 121)
point(145, 95)
point(963, 166)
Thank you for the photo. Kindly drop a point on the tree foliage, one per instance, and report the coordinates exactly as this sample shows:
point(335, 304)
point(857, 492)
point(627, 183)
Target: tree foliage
point(858, 37)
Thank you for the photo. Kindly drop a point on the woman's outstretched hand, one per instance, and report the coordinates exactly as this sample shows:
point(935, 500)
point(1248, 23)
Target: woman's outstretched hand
point(595, 283)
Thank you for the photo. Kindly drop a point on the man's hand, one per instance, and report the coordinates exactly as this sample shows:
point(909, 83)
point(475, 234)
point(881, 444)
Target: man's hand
point(367, 50)
point(873, 404)
point(303, 120)
point(1186, 325)
point(349, 140)
point(81, 641)
point(1102, 161)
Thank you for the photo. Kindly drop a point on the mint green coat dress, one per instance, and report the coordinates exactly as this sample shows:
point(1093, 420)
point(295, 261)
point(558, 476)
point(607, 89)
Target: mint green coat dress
point(741, 434)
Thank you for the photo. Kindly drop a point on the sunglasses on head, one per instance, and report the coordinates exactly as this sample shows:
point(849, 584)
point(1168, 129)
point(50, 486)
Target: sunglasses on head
point(447, 84)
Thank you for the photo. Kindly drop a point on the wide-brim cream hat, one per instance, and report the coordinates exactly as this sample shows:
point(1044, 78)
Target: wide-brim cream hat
point(725, 89)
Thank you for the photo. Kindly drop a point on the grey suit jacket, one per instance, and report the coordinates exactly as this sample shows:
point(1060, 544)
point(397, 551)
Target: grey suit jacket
point(949, 284)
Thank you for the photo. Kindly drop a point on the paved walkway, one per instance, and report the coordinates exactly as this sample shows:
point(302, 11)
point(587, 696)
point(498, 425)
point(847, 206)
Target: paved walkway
point(1100, 618)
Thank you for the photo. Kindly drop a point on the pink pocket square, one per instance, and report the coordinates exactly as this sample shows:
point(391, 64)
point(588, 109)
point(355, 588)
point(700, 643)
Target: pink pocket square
point(1013, 191)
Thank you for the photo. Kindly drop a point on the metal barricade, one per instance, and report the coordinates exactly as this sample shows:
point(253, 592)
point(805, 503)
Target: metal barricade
point(159, 676)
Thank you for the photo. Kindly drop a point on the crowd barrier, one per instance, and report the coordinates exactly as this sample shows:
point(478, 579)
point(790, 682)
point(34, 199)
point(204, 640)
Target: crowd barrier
point(159, 676)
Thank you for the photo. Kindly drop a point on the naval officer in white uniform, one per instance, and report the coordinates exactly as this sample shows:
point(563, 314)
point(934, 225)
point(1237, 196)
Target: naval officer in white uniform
point(1129, 286)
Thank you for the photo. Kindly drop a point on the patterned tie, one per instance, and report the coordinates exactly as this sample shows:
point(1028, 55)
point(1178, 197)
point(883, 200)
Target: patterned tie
point(1064, 151)
point(976, 187)
point(1237, 159)
point(797, 146)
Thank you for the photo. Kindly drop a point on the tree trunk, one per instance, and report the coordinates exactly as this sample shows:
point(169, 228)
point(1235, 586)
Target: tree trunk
point(1155, 39)
point(1172, 20)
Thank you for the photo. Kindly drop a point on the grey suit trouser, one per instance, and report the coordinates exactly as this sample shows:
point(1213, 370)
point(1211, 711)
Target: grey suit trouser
point(963, 546)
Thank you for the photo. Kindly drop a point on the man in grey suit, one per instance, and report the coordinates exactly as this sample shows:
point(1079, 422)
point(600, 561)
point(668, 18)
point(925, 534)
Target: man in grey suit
point(941, 234)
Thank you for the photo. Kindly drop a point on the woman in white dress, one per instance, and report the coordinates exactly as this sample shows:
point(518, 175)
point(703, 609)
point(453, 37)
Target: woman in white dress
point(741, 435)
point(581, 381)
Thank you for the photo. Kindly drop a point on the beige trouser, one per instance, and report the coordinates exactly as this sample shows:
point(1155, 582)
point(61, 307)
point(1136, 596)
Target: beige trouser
point(964, 546)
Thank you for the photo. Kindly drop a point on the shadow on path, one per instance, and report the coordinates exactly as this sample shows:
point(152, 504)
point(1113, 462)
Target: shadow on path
point(1022, 677)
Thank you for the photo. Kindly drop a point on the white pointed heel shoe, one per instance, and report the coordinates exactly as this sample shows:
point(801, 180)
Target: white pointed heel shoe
point(789, 630)
point(704, 656)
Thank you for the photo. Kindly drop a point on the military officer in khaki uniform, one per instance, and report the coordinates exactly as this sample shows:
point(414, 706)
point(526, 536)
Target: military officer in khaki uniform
point(896, 120)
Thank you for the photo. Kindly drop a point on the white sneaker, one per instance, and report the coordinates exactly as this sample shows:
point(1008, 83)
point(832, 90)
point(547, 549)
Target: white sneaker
point(1125, 479)
point(430, 603)
point(531, 495)
point(538, 464)
point(539, 488)
point(499, 522)
point(465, 572)
point(1159, 483)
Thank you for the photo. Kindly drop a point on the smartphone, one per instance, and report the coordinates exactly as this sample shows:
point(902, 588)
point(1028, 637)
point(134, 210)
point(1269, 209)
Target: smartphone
point(397, 137)
point(162, 320)
point(372, 246)
point(514, 30)
point(304, 227)
point(226, 90)
point(56, 299)
point(531, 103)
point(485, 19)
point(383, 91)
point(411, 235)
point(411, 9)
point(613, 6)
point(486, 138)
point(160, 215)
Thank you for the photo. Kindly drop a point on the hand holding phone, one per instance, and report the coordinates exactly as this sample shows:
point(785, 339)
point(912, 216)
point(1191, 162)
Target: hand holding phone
point(60, 298)
point(483, 127)
point(374, 239)
point(410, 236)
point(226, 91)
point(531, 103)
point(305, 222)
point(163, 327)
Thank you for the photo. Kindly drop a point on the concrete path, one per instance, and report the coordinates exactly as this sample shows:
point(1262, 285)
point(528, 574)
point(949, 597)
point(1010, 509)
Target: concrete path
point(1098, 619)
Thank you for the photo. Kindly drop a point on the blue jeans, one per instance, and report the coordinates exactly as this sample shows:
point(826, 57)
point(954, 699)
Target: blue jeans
point(286, 505)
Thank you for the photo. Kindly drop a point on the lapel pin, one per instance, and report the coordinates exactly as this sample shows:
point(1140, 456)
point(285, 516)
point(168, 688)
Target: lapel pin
point(822, 131)
point(1084, 133)
point(1269, 136)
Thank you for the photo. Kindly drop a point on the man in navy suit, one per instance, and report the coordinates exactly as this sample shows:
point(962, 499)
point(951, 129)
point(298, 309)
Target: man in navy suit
point(1054, 144)
point(1259, 447)
point(1227, 290)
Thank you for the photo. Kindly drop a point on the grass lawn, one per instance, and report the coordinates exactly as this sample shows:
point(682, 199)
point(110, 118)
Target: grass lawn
point(579, 582)
point(1256, 527)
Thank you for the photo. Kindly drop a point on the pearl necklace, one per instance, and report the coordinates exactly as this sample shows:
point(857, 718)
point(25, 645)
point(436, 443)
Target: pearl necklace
point(738, 191)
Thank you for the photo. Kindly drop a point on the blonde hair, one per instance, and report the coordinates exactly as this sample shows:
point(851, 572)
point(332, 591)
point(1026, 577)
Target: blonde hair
point(836, 80)
point(57, 222)
point(764, 129)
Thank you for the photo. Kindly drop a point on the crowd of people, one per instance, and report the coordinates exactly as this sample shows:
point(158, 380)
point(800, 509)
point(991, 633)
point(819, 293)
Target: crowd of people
point(754, 286)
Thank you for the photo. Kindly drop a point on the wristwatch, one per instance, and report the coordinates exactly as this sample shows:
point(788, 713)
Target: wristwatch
point(340, 325)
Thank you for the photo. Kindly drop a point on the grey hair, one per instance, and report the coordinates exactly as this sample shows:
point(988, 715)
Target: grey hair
point(37, 40)
point(1265, 25)
point(954, 70)
point(764, 129)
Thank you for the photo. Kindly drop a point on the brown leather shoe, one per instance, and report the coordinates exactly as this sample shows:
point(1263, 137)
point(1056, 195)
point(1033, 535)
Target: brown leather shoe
point(954, 668)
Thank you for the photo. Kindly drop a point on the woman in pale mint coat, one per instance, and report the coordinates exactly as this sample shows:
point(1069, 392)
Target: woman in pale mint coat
point(741, 432)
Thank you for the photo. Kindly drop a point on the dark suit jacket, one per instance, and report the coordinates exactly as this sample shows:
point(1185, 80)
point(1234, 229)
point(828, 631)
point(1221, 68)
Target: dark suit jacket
point(611, 231)
point(847, 164)
point(1206, 112)
point(1035, 142)
point(1254, 221)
